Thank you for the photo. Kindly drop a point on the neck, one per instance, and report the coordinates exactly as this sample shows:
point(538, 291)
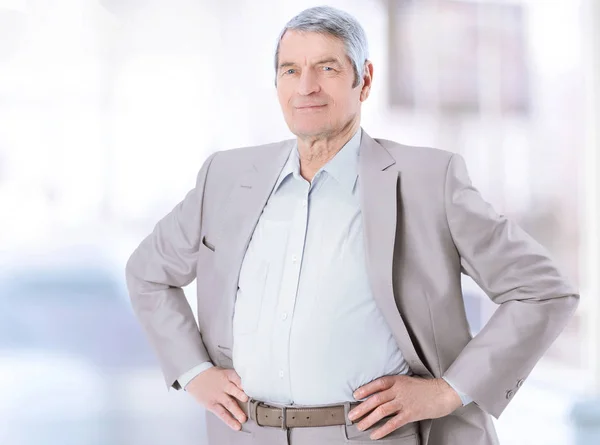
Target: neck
point(316, 151)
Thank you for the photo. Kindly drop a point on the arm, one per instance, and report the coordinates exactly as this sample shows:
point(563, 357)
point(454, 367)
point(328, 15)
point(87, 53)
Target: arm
point(535, 300)
point(160, 266)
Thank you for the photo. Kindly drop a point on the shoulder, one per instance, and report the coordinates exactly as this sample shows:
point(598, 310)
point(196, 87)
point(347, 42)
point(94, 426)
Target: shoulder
point(250, 153)
point(231, 162)
point(417, 158)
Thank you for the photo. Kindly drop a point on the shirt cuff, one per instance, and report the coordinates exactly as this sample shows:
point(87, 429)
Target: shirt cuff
point(464, 397)
point(192, 373)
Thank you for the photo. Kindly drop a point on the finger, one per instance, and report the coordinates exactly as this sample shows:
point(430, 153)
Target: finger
point(391, 425)
point(231, 405)
point(238, 386)
point(223, 414)
point(370, 404)
point(384, 410)
point(380, 384)
point(234, 377)
point(236, 392)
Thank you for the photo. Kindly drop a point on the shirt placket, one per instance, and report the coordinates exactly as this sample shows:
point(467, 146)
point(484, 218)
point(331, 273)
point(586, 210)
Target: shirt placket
point(289, 289)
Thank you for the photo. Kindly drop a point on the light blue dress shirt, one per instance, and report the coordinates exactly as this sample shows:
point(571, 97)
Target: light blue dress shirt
point(306, 328)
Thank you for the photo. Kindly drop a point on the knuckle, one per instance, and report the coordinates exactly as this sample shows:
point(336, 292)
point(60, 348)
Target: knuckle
point(225, 400)
point(390, 409)
point(226, 418)
point(397, 421)
point(232, 406)
point(211, 404)
point(403, 418)
point(232, 388)
point(218, 410)
point(241, 395)
point(380, 411)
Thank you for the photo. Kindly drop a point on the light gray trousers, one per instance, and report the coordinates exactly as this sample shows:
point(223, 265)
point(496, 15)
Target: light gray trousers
point(252, 434)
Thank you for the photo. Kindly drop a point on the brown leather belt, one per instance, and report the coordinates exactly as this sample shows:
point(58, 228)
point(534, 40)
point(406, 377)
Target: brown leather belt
point(287, 417)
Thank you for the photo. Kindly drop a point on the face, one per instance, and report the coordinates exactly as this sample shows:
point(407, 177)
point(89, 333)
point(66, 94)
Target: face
point(314, 84)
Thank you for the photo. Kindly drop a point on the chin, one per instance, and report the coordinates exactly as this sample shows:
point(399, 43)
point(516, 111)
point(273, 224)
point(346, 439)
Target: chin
point(306, 129)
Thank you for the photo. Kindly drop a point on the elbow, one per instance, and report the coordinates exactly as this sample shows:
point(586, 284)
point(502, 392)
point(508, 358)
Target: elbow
point(567, 305)
point(573, 302)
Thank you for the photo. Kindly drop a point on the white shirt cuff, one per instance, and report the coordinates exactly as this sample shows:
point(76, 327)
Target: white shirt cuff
point(464, 397)
point(192, 373)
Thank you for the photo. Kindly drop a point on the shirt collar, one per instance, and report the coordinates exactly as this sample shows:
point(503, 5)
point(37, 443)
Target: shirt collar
point(343, 167)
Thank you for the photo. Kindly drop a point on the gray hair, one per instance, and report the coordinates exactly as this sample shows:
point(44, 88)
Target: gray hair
point(338, 23)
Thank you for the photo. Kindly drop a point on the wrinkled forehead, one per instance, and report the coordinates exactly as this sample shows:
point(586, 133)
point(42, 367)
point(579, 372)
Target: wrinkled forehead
point(309, 48)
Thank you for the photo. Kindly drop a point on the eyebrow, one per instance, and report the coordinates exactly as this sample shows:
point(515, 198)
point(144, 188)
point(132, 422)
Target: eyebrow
point(320, 62)
point(286, 64)
point(328, 60)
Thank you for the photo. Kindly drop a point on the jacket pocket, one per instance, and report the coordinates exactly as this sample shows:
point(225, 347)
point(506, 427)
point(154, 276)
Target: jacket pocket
point(208, 244)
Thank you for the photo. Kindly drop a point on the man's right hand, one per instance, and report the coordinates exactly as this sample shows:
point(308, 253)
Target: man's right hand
point(216, 389)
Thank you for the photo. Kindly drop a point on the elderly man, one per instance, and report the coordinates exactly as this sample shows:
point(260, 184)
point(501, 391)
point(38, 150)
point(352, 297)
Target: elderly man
point(328, 276)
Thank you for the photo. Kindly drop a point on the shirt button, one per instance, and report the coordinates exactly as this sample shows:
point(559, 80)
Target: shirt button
point(304, 203)
point(294, 258)
point(284, 316)
point(281, 373)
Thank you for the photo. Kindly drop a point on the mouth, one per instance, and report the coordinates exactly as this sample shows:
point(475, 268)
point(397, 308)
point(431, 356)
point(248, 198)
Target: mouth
point(310, 107)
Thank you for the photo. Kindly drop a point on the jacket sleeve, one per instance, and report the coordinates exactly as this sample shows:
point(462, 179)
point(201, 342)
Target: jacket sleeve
point(535, 300)
point(163, 263)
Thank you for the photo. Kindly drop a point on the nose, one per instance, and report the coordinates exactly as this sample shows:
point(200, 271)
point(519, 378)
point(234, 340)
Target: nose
point(308, 83)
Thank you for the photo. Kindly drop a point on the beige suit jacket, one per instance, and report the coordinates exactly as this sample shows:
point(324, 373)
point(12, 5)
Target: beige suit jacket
point(424, 224)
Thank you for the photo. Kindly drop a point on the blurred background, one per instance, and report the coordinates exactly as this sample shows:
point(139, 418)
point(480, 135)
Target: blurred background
point(108, 109)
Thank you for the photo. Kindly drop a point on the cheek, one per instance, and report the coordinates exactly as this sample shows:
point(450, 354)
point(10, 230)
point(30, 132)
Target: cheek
point(342, 104)
point(282, 95)
point(352, 101)
point(344, 100)
point(285, 102)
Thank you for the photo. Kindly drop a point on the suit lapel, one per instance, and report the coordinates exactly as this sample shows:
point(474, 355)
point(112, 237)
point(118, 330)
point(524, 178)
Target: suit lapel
point(379, 193)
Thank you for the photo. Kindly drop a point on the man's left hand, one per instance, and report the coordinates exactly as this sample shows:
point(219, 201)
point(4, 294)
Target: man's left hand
point(409, 399)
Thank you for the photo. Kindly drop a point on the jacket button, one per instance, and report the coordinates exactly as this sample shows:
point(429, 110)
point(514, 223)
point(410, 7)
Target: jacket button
point(510, 393)
point(520, 383)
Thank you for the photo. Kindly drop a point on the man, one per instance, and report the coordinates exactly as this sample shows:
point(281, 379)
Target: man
point(328, 276)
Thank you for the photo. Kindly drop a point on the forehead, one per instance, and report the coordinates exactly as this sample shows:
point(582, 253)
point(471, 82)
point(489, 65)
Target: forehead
point(296, 46)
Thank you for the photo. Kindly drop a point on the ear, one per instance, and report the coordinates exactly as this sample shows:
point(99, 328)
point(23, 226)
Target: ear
point(367, 81)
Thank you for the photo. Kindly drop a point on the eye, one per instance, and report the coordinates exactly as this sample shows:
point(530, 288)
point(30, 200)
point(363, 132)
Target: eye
point(290, 71)
point(327, 68)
